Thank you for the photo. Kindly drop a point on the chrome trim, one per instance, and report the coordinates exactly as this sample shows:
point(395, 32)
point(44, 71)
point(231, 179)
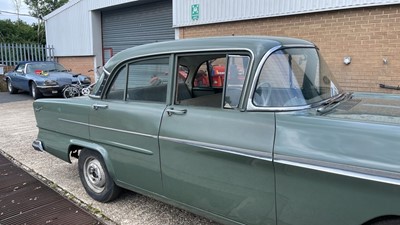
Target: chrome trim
point(108, 128)
point(250, 105)
point(129, 147)
point(117, 65)
point(376, 175)
point(43, 86)
point(38, 145)
point(266, 156)
point(106, 71)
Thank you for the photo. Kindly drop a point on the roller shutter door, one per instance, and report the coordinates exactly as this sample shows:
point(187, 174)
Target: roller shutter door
point(136, 25)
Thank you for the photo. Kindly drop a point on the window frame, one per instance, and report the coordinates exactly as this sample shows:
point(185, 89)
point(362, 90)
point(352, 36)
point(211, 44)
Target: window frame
point(112, 76)
point(216, 53)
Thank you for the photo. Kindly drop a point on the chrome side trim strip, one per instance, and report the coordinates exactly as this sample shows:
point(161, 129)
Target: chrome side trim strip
point(44, 86)
point(381, 176)
point(266, 156)
point(128, 147)
point(109, 128)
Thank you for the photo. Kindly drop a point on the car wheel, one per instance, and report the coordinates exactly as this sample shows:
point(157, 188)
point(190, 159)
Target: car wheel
point(11, 88)
point(35, 92)
point(95, 177)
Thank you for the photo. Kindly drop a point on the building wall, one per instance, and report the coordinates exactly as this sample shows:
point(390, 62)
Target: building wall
point(79, 64)
point(367, 35)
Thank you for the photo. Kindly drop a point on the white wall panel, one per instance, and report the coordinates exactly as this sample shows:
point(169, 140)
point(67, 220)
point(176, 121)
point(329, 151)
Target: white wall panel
point(70, 31)
point(74, 28)
point(215, 11)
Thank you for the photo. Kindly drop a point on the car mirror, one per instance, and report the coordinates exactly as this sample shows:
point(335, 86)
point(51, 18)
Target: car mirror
point(20, 71)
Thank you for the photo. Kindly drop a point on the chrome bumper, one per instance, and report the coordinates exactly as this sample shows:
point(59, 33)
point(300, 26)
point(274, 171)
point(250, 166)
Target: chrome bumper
point(38, 145)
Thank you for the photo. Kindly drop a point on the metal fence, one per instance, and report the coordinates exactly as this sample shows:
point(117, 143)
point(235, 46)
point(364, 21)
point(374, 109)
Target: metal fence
point(11, 54)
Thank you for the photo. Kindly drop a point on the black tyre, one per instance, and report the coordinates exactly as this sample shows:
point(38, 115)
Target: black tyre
point(35, 92)
point(11, 88)
point(394, 221)
point(95, 177)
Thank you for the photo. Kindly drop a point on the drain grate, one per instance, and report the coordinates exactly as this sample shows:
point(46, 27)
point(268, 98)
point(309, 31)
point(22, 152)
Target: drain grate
point(25, 200)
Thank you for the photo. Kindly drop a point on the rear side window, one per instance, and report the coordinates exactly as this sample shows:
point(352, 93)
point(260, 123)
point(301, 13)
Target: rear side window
point(148, 80)
point(117, 89)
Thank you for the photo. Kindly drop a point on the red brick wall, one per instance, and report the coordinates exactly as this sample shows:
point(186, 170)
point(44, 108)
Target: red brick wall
point(78, 64)
point(368, 35)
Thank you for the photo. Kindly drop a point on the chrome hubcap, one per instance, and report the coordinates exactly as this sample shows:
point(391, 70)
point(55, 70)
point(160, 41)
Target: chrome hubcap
point(94, 175)
point(9, 86)
point(33, 91)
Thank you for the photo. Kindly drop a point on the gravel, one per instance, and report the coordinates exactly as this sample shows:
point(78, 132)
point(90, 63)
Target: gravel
point(18, 130)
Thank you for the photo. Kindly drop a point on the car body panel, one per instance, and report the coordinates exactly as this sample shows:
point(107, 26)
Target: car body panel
point(229, 177)
point(131, 141)
point(332, 161)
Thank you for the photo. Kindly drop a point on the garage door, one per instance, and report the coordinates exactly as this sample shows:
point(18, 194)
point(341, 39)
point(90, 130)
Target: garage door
point(136, 25)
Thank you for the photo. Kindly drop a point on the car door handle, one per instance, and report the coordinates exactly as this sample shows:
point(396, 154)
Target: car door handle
point(176, 111)
point(98, 106)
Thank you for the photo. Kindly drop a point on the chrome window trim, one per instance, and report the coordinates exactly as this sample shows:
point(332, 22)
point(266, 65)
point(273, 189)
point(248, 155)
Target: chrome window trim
point(265, 156)
point(375, 175)
point(179, 52)
point(250, 105)
point(108, 128)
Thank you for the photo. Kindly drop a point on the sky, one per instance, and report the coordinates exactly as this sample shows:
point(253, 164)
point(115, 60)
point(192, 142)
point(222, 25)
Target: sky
point(8, 6)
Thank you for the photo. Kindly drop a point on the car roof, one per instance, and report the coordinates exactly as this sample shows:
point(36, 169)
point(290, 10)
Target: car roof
point(258, 45)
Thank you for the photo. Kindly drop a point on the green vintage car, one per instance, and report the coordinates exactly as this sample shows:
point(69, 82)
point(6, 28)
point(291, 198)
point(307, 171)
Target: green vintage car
point(242, 130)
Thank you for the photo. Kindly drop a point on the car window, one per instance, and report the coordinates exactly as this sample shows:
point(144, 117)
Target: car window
point(20, 67)
point(208, 80)
point(202, 77)
point(237, 70)
point(295, 77)
point(117, 88)
point(148, 80)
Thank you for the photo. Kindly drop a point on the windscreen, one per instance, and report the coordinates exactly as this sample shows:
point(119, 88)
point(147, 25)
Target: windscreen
point(294, 77)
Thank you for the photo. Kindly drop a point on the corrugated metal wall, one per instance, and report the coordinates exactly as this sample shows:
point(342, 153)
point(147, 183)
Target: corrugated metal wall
point(70, 31)
point(214, 11)
point(137, 25)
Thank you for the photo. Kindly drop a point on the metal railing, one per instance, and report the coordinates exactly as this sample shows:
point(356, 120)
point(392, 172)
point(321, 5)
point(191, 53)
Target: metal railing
point(11, 54)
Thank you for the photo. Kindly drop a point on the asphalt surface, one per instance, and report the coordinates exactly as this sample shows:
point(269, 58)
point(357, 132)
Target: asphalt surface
point(18, 130)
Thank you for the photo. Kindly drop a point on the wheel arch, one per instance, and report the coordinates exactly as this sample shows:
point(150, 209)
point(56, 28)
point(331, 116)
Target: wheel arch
point(382, 219)
point(80, 144)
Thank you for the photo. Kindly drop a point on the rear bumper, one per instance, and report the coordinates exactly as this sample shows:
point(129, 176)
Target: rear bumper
point(38, 145)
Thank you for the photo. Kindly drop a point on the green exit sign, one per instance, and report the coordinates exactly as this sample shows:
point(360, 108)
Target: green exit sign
point(195, 11)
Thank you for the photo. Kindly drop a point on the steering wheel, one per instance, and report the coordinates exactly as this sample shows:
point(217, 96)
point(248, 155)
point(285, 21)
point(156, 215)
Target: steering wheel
point(261, 98)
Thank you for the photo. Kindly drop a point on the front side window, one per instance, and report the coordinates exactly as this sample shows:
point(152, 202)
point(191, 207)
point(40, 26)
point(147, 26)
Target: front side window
point(294, 77)
point(213, 80)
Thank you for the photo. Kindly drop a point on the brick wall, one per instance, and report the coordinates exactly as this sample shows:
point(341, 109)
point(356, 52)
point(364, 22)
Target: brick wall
point(78, 64)
point(367, 35)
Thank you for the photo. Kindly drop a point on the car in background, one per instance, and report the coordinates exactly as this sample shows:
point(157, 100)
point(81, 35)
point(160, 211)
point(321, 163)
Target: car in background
point(42, 78)
point(243, 130)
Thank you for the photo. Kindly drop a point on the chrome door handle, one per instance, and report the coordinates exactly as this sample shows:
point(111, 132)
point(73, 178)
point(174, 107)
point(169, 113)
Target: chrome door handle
point(97, 106)
point(176, 111)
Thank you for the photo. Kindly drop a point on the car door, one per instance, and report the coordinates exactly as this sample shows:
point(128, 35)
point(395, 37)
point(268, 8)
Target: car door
point(18, 77)
point(219, 158)
point(126, 122)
